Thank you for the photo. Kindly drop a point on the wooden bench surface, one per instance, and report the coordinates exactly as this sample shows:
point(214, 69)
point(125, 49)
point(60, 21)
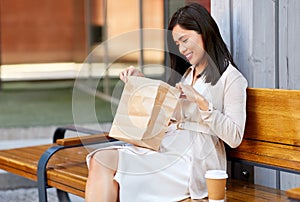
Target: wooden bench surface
point(272, 133)
point(67, 171)
point(273, 115)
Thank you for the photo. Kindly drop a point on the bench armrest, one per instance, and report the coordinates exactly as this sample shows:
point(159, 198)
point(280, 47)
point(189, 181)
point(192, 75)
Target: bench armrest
point(60, 132)
point(84, 140)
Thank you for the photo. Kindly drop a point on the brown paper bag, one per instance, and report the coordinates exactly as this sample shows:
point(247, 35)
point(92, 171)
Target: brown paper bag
point(144, 111)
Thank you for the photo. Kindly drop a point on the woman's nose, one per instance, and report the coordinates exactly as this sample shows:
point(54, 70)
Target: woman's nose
point(182, 48)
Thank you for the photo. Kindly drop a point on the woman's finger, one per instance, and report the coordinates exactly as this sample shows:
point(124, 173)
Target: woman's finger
point(178, 85)
point(123, 76)
point(130, 72)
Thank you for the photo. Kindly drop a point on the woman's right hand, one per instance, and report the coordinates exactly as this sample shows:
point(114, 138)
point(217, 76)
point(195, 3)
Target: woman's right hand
point(130, 71)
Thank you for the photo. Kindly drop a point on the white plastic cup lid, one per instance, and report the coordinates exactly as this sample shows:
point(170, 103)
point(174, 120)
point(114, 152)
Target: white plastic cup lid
point(216, 174)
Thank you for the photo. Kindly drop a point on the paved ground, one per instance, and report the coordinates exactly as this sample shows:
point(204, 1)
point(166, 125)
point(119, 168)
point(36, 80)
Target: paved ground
point(30, 195)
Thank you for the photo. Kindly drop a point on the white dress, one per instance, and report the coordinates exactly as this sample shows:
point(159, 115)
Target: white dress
point(177, 170)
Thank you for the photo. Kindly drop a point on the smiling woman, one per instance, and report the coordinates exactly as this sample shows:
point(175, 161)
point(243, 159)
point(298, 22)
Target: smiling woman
point(210, 112)
point(190, 44)
point(199, 33)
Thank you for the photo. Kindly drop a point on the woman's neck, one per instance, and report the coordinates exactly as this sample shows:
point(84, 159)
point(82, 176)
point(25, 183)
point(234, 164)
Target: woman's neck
point(200, 67)
point(198, 70)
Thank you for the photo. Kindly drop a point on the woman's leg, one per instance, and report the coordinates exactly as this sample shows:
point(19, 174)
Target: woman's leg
point(100, 185)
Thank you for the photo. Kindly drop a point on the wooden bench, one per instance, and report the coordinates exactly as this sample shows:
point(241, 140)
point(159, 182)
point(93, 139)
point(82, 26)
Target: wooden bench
point(272, 139)
point(272, 133)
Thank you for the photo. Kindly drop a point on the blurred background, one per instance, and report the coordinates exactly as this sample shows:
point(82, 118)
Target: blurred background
point(45, 43)
point(48, 45)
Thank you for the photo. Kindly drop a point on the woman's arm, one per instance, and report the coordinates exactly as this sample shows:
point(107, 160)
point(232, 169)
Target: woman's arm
point(189, 93)
point(229, 125)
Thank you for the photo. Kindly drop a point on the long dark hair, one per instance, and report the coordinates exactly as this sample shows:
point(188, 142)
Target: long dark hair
point(195, 17)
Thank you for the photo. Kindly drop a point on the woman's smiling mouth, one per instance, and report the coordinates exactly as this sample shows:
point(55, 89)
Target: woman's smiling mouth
point(189, 56)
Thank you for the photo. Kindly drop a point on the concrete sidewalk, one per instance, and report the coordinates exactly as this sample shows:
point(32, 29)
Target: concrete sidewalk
point(31, 195)
point(14, 188)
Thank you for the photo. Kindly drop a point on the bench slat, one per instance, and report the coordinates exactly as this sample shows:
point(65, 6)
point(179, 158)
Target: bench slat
point(24, 159)
point(294, 193)
point(249, 192)
point(273, 115)
point(62, 177)
point(67, 188)
point(99, 138)
point(283, 156)
point(243, 191)
point(69, 173)
point(66, 169)
point(19, 172)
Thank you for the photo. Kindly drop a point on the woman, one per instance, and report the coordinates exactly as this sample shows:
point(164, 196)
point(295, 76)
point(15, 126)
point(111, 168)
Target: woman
point(212, 110)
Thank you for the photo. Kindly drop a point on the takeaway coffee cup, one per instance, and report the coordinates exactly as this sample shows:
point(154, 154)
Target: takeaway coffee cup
point(216, 184)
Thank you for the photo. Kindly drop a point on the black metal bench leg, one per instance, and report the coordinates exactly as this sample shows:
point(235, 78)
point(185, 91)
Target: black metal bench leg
point(60, 134)
point(42, 164)
point(62, 196)
point(41, 172)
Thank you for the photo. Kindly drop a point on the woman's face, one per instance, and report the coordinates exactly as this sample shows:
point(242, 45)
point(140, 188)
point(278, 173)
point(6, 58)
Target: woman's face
point(190, 44)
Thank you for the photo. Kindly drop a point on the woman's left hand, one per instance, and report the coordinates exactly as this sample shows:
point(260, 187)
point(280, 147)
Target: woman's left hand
point(189, 93)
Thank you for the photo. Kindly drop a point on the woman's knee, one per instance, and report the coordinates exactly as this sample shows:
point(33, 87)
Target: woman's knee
point(105, 159)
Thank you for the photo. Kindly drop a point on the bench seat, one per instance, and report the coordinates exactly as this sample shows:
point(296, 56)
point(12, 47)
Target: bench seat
point(67, 171)
point(286, 157)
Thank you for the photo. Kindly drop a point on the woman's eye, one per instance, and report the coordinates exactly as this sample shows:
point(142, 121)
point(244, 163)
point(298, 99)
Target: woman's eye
point(185, 40)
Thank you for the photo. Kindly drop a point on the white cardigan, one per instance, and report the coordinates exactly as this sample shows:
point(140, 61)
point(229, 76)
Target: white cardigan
point(224, 122)
point(185, 154)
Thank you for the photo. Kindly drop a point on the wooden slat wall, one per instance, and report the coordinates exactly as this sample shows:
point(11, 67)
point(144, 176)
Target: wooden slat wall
point(263, 38)
point(248, 28)
point(289, 52)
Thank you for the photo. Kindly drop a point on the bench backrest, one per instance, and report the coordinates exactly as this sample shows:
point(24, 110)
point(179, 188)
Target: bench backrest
point(273, 115)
